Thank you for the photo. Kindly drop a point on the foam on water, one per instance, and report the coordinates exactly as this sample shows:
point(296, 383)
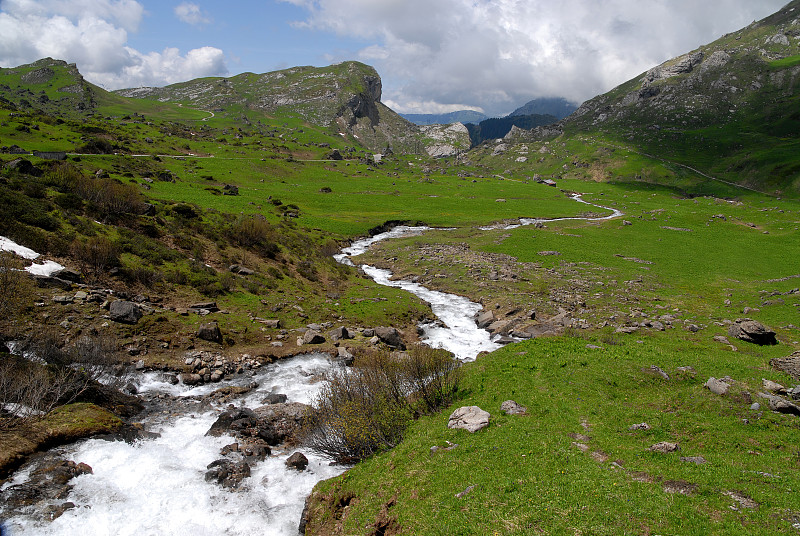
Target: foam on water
point(157, 486)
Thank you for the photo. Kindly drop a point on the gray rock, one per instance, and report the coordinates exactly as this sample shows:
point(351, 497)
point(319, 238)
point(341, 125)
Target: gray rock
point(210, 332)
point(272, 323)
point(698, 460)
point(773, 387)
point(657, 371)
point(339, 333)
point(312, 336)
point(751, 331)
point(789, 364)
point(718, 387)
point(665, 447)
point(227, 473)
point(639, 426)
point(125, 312)
point(469, 418)
point(512, 408)
point(241, 270)
point(390, 336)
point(274, 398)
point(297, 461)
point(484, 319)
point(191, 379)
point(780, 405)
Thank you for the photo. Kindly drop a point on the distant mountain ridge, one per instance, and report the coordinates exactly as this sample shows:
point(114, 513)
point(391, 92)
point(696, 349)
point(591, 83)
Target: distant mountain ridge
point(555, 106)
point(461, 116)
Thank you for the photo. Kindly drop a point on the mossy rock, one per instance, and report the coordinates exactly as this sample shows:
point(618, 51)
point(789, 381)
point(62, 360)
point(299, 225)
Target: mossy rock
point(59, 427)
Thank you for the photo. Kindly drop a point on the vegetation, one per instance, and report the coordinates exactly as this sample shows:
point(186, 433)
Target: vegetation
point(366, 408)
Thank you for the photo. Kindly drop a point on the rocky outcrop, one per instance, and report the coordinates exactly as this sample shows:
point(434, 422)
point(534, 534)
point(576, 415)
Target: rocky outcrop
point(751, 331)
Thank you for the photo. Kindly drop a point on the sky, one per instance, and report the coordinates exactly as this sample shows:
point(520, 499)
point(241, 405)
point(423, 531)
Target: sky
point(434, 56)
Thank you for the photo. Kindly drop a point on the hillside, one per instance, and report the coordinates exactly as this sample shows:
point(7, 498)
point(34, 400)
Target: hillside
point(728, 109)
point(345, 98)
point(555, 106)
point(463, 116)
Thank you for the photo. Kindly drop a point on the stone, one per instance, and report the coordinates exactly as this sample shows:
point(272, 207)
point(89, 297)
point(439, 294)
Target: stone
point(390, 336)
point(68, 275)
point(274, 398)
point(204, 306)
point(698, 460)
point(241, 270)
point(210, 332)
point(639, 426)
point(125, 312)
point(512, 408)
point(780, 405)
point(339, 333)
point(718, 387)
point(344, 355)
point(789, 364)
point(312, 336)
point(751, 331)
point(657, 371)
point(63, 300)
point(469, 418)
point(297, 461)
point(665, 447)
point(191, 379)
point(227, 473)
point(484, 319)
point(773, 387)
point(232, 418)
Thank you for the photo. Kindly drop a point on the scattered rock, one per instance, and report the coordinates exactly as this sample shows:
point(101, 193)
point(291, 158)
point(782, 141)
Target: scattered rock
point(773, 387)
point(484, 319)
point(390, 336)
point(790, 364)
point(274, 398)
point(241, 270)
point(718, 387)
point(743, 500)
point(751, 331)
point(465, 492)
point(679, 486)
point(210, 332)
point(312, 336)
point(469, 418)
point(227, 473)
point(780, 405)
point(640, 426)
point(339, 333)
point(297, 461)
point(125, 312)
point(657, 371)
point(665, 447)
point(512, 408)
point(698, 460)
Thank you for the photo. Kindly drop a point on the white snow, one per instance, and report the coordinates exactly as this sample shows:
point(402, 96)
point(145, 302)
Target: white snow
point(47, 268)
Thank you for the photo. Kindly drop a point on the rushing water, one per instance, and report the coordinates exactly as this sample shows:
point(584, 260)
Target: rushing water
point(157, 486)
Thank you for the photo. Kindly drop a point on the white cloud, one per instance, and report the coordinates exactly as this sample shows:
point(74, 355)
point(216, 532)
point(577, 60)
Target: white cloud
point(94, 34)
point(501, 53)
point(191, 14)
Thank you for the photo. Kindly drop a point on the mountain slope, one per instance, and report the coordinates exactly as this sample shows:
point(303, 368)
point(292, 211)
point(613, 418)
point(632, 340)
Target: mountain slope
point(462, 116)
point(344, 97)
point(556, 106)
point(730, 109)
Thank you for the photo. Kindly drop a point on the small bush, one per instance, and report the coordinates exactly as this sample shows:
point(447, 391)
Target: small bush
point(95, 255)
point(365, 409)
point(255, 233)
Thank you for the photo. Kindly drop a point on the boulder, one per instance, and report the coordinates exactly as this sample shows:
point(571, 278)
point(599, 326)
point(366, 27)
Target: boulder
point(484, 319)
point(512, 408)
point(665, 447)
point(312, 336)
point(278, 422)
point(68, 275)
point(210, 332)
point(22, 165)
point(780, 405)
point(227, 473)
point(241, 270)
point(225, 422)
point(390, 336)
point(274, 398)
point(125, 312)
point(718, 387)
point(790, 364)
point(297, 461)
point(751, 331)
point(339, 333)
point(469, 418)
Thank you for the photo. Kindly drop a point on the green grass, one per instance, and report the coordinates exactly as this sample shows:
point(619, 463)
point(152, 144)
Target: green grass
point(529, 477)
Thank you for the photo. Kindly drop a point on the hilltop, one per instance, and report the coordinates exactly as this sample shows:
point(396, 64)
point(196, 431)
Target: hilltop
point(728, 109)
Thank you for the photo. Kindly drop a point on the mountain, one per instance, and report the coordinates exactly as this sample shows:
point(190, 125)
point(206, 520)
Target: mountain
point(497, 127)
point(555, 106)
point(345, 97)
point(730, 109)
point(47, 85)
point(461, 116)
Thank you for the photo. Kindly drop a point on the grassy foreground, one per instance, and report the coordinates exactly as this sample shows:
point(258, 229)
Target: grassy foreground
point(572, 466)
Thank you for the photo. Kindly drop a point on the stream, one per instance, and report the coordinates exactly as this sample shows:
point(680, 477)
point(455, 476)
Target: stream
point(157, 486)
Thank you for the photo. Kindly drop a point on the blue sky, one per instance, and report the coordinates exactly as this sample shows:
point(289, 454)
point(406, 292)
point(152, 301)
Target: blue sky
point(433, 55)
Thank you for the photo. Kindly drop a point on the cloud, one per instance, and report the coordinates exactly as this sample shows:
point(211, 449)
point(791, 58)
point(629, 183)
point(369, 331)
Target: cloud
point(191, 14)
point(501, 53)
point(94, 35)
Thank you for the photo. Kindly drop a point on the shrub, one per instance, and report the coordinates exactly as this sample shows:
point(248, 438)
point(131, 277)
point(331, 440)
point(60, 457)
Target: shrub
point(16, 288)
point(96, 254)
point(255, 233)
point(50, 375)
point(365, 409)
